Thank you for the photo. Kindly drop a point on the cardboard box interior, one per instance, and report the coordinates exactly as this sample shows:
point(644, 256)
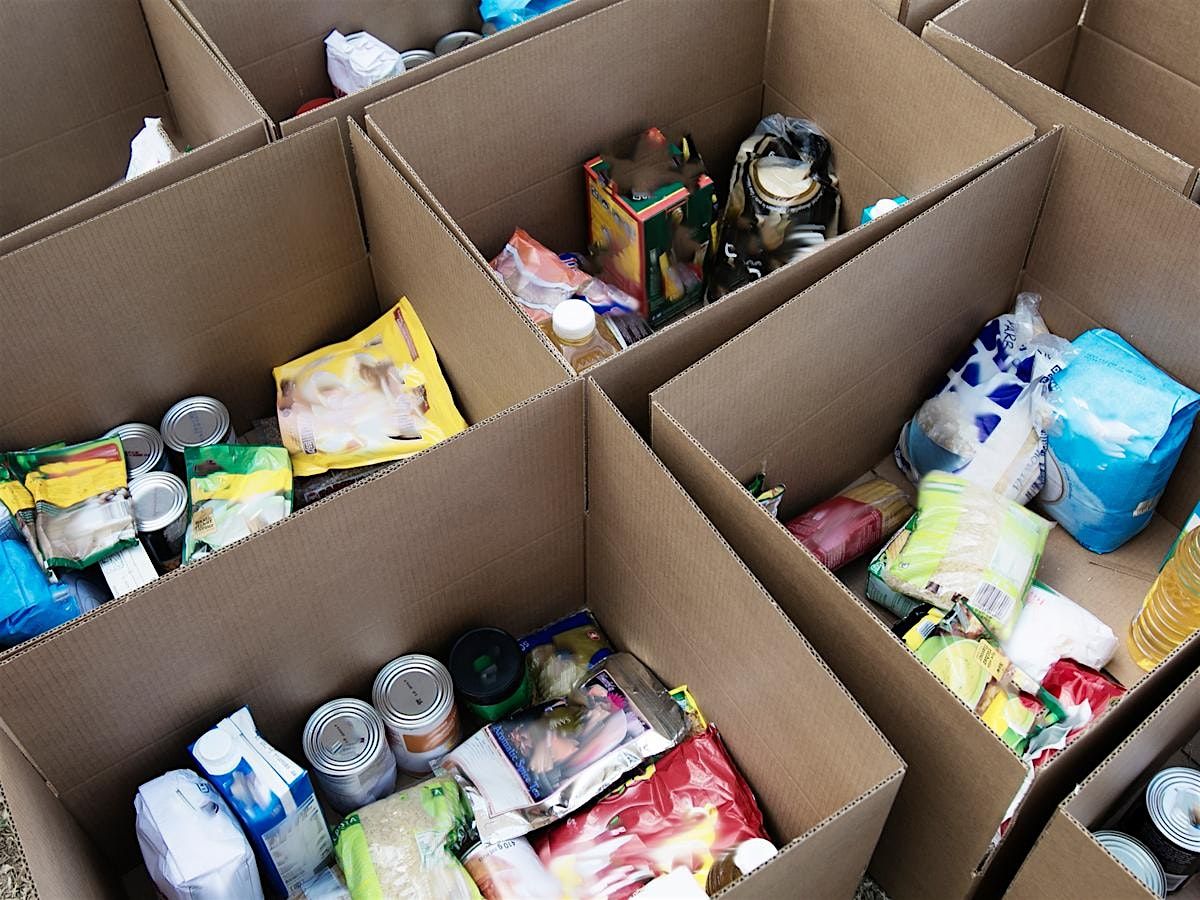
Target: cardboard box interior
point(1123, 71)
point(817, 392)
point(79, 78)
point(583, 514)
point(277, 48)
point(900, 119)
point(1066, 855)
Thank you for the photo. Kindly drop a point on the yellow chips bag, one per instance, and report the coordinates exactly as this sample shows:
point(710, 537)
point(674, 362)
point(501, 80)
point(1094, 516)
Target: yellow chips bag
point(374, 398)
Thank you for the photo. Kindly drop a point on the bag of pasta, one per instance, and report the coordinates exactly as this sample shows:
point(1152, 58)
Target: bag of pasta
point(375, 398)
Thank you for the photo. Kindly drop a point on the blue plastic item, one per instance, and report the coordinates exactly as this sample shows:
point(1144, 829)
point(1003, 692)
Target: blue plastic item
point(1122, 424)
point(29, 604)
point(507, 13)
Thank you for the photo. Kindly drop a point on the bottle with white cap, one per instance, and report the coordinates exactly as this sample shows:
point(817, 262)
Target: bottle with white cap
point(580, 336)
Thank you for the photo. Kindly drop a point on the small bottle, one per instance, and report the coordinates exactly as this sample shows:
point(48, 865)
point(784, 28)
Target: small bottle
point(1171, 611)
point(578, 335)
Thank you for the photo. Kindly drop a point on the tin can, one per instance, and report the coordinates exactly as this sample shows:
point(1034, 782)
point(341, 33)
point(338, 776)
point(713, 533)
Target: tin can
point(489, 671)
point(144, 449)
point(160, 504)
point(1134, 856)
point(415, 698)
point(347, 747)
point(196, 422)
point(414, 58)
point(455, 40)
point(1168, 822)
point(510, 870)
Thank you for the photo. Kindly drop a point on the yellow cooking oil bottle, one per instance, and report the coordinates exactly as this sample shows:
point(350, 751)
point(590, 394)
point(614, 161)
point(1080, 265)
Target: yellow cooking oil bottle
point(579, 336)
point(1171, 611)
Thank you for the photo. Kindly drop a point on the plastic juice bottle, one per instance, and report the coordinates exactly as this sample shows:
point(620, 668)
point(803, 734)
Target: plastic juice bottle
point(1171, 611)
point(577, 334)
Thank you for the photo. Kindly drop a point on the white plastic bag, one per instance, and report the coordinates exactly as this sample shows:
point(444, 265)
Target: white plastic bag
point(193, 847)
point(149, 149)
point(1051, 628)
point(359, 60)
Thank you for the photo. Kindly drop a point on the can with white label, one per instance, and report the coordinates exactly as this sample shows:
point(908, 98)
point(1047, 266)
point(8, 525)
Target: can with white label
point(415, 698)
point(197, 422)
point(160, 504)
point(144, 449)
point(1167, 821)
point(346, 745)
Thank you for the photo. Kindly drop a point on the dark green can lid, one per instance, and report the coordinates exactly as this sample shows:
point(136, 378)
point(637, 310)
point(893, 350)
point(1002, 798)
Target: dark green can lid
point(487, 666)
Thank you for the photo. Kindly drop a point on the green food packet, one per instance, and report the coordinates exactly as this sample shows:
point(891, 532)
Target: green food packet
point(233, 490)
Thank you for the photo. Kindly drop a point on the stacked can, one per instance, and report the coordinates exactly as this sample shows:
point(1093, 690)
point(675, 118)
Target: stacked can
point(347, 748)
point(144, 450)
point(415, 697)
point(1134, 856)
point(160, 505)
point(1167, 821)
point(196, 422)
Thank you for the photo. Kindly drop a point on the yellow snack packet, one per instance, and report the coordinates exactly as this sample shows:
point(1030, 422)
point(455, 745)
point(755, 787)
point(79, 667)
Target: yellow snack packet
point(377, 397)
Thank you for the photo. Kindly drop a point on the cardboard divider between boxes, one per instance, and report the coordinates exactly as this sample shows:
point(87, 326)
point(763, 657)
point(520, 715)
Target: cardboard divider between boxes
point(79, 79)
point(492, 157)
point(1122, 71)
point(530, 515)
point(1067, 855)
point(277, 50)
point(817, 392)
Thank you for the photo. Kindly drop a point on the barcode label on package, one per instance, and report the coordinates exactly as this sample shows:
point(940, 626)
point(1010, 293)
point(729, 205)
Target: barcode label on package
point(993, 601)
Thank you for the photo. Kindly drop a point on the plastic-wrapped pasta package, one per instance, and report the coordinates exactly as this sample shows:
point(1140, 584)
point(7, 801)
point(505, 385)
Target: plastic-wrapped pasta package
point(843, 528)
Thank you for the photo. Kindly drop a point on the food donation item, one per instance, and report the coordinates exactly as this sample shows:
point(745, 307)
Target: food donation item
point(346, 745)
point(972, 545)
point(150, 148)
point(489, 672)
point(691, 808)
point(235, 491)
point(403, 847)
point(1051, 628)
point(1121, 425)
point(580, 337)
point(196, 422)
point(414, 696)
point(1170, 612)
point(769, 498)
point(1134, 856)
point(359, 60)
point(541, 280)
point(82, 509)
point(143, 446)
point(374, 398)
point(160, 510)
point(562, 653)
point(271, 795)
point(843, 528)
point(501, 14)
point(534, 767)
point(1084, 695)
point(193, 847)
point(510, 870)
point(1167, 821)
point(783, 203)
point(30, 604)
point(878, 208)
point(652, 210)
point(987, 420)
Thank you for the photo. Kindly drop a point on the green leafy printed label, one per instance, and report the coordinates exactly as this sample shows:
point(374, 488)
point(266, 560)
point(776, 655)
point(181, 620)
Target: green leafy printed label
point(354, 856)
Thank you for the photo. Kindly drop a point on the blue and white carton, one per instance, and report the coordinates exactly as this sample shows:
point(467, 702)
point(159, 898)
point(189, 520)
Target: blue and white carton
point(272, 796)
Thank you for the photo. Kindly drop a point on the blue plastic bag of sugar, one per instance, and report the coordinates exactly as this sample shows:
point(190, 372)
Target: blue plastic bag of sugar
point(1122, 424)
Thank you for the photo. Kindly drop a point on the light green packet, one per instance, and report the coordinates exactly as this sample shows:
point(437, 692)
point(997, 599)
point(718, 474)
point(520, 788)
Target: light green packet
point(234, 490)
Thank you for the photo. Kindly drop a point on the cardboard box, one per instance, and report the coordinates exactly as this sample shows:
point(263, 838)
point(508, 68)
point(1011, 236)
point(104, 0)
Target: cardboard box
point(498, 526)
point(205, 286)
point(817, 393)
point(913, 14)
point(1124, 72)
point(79, 77)
point(1067, 861)
point(277, 50)
point(902, 121)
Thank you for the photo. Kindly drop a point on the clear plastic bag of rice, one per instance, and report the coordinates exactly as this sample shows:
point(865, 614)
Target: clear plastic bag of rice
point(404, 847)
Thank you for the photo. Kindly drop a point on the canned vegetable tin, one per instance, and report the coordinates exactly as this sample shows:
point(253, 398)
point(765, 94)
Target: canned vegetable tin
point(160, 503)
point(347, 747)
point(196, 422)
point(415, 698)
point(455, 40)
point(414, 58)
point(144, 450)
point(1168, 822)
point(1134, 856)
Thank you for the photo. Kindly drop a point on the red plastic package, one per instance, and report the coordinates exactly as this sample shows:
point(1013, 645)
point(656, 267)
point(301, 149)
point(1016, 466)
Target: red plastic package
point(843, 528)
point(685, 810)
point(1078, 688)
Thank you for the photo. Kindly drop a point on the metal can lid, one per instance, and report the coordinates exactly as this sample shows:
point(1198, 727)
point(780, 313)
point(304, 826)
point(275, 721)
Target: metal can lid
point(342, 736)
point(455, 40)
point(412, 691)
point(195, 422)
point(414, 58)
point(1173, 802)
point(1134, 855)
point(143, 447)
point(159, 498)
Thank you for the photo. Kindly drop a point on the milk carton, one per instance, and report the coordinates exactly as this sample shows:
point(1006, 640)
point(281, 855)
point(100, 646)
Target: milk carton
point(271, 795)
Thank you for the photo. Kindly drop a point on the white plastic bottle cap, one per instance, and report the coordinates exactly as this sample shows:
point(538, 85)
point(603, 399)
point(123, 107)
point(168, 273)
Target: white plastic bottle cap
point(752, 853)
point(574, 320)
point(886, 205)
point(216, 752)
